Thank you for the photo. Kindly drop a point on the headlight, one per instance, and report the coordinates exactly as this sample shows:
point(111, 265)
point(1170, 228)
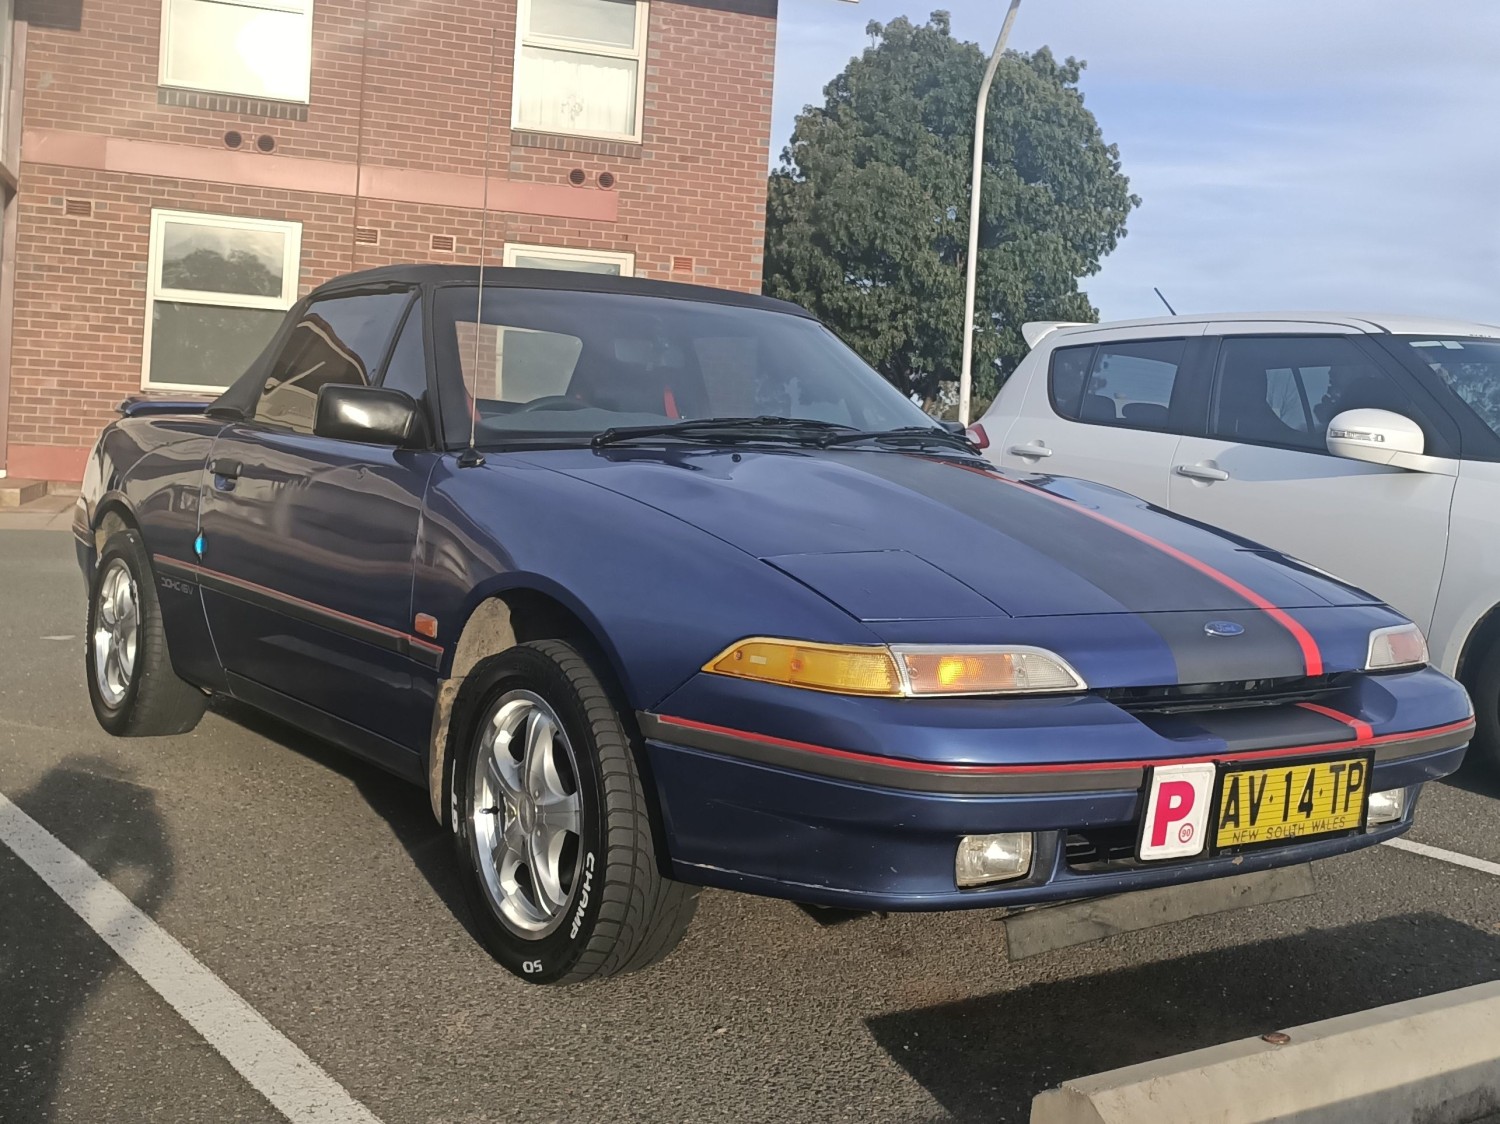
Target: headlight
point(903, 670)
point(1400, 645)
point(985, 671)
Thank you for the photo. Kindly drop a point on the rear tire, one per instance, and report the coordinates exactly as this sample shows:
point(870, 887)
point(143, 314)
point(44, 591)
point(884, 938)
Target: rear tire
point(134, 691)
point(1484, 688)
point(551, 827)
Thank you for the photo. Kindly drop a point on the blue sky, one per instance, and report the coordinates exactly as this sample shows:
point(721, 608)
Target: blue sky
point(1290, 154)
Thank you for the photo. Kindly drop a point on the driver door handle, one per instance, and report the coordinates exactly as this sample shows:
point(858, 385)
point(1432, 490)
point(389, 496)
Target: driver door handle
point(1201, 472)
point(1029, 451)
point(226, 468)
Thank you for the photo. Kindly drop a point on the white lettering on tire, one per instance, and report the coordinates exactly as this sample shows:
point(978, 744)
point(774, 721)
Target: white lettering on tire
point(583, 896)
point(531, 967)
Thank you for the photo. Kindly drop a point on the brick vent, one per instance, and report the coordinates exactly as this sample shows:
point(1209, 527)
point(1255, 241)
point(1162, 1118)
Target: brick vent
point(682, 265)
point(366, 236)
point(625, 150)
point(225, 103)
point(444, 244)
point(79, 208)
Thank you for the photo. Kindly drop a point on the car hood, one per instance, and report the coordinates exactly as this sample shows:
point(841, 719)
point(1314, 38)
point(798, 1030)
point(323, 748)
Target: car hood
point(894, 537)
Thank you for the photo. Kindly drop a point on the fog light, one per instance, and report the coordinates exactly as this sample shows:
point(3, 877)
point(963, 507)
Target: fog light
point(1390, 805)
point(992, 858)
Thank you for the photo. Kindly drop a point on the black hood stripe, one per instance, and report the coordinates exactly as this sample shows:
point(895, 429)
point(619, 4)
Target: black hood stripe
point(1312, 656)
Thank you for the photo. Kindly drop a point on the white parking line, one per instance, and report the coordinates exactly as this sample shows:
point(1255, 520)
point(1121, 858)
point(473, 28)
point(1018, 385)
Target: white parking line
point(1484, 866)
point(261, 1054)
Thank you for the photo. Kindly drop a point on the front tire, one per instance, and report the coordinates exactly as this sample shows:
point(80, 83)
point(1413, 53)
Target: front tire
point(134, 691)
point(551, 827)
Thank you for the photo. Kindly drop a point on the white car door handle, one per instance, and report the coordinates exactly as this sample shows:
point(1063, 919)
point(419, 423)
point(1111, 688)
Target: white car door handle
point(1201, 472)
point(1029, 451)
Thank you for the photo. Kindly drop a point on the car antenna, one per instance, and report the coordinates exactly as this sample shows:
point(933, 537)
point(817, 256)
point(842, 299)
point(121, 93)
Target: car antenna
point(471, 457)
point(1164, 301)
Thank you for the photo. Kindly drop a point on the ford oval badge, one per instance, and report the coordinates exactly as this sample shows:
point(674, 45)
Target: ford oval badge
point(1223, 628)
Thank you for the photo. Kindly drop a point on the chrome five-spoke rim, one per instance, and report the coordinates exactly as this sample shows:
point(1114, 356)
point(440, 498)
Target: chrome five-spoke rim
point(526, 813)
point(117, 626)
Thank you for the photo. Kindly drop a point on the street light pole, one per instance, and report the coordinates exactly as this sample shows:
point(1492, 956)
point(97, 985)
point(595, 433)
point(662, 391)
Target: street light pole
point(966, 373)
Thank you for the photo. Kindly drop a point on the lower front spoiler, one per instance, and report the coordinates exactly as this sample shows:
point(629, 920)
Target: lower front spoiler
point(780, 833)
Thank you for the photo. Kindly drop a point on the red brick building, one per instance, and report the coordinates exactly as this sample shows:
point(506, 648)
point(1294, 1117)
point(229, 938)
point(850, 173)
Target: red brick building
point(176, 173)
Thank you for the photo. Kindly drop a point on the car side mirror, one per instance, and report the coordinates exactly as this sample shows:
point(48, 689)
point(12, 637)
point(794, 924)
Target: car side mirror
point(371, 415)
point(1378, 437)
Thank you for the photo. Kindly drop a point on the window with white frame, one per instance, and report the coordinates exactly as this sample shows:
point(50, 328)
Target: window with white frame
point(7, 34)
point(252, 48)
point(217, 291)
point(610, 262)
point(580, 67)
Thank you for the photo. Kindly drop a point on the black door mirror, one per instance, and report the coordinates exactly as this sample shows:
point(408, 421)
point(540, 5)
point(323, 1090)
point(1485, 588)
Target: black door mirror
point(368, 414)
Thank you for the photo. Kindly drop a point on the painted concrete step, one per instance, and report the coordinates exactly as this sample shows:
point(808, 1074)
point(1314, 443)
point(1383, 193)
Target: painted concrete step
point(14, 493)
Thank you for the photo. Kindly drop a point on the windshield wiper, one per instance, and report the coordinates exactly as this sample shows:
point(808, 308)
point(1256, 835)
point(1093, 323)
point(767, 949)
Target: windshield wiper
point(802, 430)
point(916, 436)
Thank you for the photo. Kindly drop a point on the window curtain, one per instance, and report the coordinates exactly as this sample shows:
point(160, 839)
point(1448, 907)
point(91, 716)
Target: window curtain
point(559, 91)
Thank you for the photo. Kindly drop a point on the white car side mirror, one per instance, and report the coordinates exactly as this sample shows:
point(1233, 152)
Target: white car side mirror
point(1376, 436)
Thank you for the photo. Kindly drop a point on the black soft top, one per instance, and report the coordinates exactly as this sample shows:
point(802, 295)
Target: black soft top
point(558, 279)
point(239, 400)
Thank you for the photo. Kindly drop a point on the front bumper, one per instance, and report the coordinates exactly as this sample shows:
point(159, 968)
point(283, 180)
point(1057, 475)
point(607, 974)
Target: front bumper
point(840, 823)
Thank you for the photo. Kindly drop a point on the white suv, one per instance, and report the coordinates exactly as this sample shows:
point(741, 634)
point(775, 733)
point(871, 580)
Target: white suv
point(1366, 446)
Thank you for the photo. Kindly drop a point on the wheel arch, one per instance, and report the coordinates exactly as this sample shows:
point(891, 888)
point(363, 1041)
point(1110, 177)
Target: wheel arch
point(501, 615)
point(1484, 635)
point(112, 513)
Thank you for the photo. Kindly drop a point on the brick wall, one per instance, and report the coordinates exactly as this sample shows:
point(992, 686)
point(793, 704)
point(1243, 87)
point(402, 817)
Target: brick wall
point(405, 92)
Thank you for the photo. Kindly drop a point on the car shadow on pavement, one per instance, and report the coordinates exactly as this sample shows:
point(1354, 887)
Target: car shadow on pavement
point(50, 962)
point(402, 805)
point(985, 1058)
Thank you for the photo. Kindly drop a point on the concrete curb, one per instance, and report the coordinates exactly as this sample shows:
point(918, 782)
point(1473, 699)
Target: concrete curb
point(1062, 926)
point(1435, 1060)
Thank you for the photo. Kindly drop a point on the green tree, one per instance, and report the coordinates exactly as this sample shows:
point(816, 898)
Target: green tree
point(868, 214)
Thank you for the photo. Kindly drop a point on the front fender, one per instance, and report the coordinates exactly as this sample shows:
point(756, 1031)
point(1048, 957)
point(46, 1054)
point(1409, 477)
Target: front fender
point(660, 596)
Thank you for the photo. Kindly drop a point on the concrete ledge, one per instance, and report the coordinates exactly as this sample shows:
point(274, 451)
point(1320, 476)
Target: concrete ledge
point(1062, 926)
point(14, 493)
point(1435, 1060)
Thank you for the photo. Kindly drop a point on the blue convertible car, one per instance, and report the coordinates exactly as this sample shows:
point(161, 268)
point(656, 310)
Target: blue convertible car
point(656, 587)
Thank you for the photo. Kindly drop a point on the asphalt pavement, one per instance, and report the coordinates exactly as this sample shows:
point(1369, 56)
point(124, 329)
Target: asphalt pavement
point(320, 890)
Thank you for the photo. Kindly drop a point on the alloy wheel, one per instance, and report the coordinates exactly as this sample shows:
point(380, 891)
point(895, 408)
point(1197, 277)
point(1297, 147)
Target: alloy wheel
point(117, 626)
point(526, 813)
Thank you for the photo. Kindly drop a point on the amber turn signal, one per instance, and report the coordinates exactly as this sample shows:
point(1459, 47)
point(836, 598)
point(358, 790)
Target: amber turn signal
point(844, 670)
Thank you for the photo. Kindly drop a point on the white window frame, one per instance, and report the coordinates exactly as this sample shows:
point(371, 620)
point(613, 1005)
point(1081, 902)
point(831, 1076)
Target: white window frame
point(7, 39)
point(155, 291)
point(525, 38)
point(304, 8)
point(625, 260)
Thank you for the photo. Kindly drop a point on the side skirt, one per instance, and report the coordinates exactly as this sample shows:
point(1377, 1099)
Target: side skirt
point(386, 754)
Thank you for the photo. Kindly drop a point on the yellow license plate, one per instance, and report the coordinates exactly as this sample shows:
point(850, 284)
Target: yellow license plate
point(1291, 803)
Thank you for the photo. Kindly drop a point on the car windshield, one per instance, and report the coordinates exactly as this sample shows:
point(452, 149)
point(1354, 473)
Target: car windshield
point(1470, 365)
point(562, 365)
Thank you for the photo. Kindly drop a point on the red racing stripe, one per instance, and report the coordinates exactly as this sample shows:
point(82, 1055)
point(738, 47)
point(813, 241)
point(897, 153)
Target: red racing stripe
point(1070, 767)
point(1312, 657)
point(1363, 731)
point(416, 641)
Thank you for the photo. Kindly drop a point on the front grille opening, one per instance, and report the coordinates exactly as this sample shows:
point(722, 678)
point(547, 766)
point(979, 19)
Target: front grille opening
point(1100, 848)
point(1185, 698)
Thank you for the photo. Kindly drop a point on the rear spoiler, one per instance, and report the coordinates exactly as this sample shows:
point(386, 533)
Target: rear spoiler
point(150, 406)
point(1038, 330)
